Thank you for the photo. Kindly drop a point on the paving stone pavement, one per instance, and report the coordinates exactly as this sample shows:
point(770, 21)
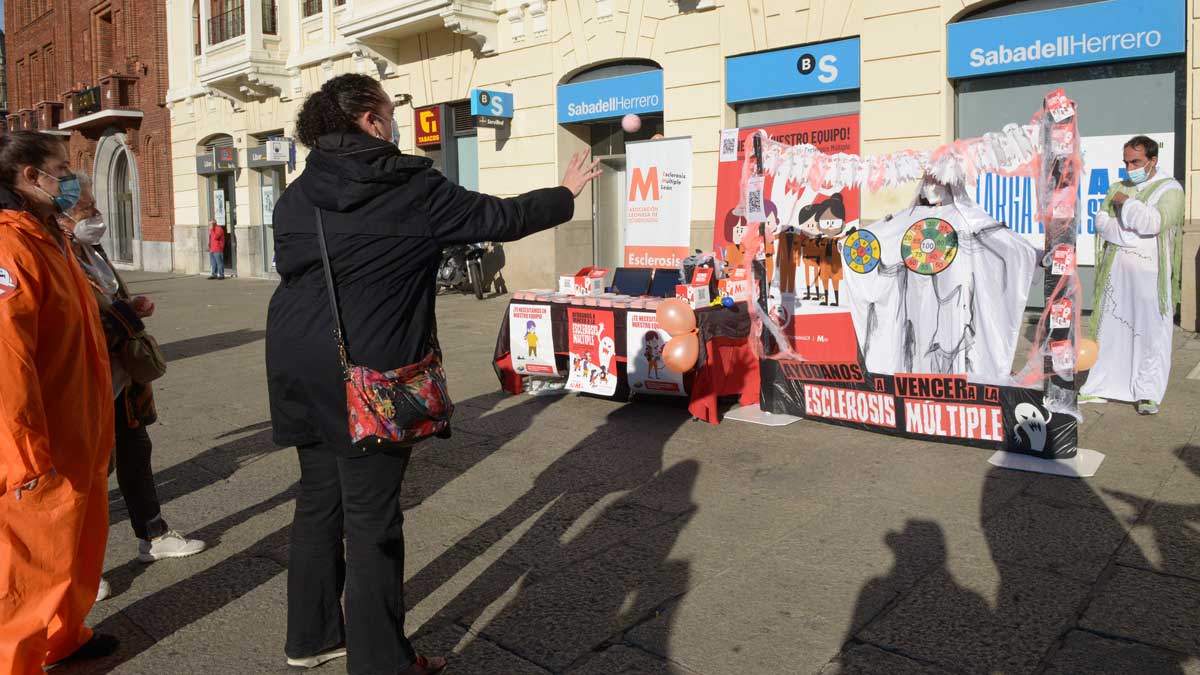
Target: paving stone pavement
point(582, 536)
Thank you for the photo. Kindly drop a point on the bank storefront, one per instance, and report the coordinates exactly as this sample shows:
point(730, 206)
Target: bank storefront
point(1122, 61)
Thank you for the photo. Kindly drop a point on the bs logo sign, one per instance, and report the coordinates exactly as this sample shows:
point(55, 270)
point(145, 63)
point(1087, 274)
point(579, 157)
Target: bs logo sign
point(827, 65)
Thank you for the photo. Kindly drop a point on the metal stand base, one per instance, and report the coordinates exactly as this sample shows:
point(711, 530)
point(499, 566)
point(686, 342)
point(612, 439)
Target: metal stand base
point(1084, 464)
point(756, 415)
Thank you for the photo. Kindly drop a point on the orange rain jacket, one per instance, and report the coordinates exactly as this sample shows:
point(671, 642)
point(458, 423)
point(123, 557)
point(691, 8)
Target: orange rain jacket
point(56, 424)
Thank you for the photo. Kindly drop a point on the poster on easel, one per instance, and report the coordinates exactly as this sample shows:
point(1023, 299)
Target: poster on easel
point(531, 340)
point(647, 371)
point(593, 351)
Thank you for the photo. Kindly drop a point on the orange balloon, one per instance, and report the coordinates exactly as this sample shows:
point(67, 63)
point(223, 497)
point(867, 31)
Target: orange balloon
point(681, 352)
point(1086, 353)
point(675, 317)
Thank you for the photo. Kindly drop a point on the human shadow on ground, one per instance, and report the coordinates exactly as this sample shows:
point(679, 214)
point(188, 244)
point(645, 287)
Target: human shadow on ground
point(591, 559)
point(176, 607)
point(207, 344)
point(1057, 550)
point(210, 466)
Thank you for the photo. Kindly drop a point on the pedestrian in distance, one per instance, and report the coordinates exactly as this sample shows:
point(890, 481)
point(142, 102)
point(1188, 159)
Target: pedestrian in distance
point(386, 216)
point(56, 418)
point(216, 250)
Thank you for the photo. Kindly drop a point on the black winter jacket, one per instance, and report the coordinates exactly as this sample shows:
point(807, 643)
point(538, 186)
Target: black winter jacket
point(387, 216)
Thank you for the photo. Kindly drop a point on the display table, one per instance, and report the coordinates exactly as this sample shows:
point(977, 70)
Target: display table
point(727, 365)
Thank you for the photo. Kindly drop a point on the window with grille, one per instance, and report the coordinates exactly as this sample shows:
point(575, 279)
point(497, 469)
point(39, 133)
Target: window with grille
point(227, 22)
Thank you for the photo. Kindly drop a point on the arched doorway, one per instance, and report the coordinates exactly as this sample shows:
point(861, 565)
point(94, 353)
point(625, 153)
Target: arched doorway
point(122, 213)
point(116, 185)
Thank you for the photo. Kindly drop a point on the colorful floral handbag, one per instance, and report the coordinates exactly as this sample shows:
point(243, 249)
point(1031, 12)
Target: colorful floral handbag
point(394, 407)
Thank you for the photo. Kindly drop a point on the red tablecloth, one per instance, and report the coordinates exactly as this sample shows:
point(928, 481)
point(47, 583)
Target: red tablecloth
point(727, 366)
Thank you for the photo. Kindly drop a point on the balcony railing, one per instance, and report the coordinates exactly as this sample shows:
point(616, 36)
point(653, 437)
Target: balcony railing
point(311, 8)
point(227, 25)
point(270, 18)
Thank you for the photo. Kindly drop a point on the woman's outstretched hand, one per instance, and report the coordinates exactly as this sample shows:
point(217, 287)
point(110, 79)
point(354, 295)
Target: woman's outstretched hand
point(580, 172)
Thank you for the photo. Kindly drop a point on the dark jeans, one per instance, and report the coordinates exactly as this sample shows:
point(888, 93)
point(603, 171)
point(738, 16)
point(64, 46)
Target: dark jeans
point(358, 498)
point(136, 478)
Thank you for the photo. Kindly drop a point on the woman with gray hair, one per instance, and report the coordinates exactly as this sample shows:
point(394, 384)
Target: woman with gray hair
point(135, 362)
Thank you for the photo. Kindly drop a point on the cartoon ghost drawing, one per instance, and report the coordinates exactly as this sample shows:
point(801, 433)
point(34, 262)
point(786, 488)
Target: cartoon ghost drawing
point(1031, 425)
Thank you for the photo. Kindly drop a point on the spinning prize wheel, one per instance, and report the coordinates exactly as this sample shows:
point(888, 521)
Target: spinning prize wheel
point(861, 251)
point(929, 246)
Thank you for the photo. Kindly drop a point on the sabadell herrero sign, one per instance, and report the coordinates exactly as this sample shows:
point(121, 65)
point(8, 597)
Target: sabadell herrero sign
point(1096, 32)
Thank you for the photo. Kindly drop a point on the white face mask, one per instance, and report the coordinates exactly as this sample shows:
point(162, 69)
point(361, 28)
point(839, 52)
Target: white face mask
point(90, 230)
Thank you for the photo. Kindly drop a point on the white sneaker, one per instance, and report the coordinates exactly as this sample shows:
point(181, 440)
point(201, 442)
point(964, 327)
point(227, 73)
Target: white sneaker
point(104, 591)
point(323, 657)
point(170, 545)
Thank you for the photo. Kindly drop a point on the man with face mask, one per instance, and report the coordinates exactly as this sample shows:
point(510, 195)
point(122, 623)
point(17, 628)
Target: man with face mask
point(122, 314)
point(1138, 265)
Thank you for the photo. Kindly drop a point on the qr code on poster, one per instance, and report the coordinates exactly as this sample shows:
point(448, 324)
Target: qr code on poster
point(754, 202)
point(729, 146)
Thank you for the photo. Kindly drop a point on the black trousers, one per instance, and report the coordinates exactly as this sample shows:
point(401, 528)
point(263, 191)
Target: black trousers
point(357, 498)
point(135, 478)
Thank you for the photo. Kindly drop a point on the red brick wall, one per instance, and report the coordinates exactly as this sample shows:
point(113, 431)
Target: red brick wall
point(71, 51)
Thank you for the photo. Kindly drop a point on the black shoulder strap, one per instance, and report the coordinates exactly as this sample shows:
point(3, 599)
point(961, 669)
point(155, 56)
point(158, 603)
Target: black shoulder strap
point(332, 293)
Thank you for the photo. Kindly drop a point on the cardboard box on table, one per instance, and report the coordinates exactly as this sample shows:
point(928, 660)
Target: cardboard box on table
point(696, 293)
point(587, 281)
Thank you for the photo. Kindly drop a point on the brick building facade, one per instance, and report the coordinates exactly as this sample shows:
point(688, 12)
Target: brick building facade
point(95, 73)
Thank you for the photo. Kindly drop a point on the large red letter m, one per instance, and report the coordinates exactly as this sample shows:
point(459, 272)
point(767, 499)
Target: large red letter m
point(644, 184)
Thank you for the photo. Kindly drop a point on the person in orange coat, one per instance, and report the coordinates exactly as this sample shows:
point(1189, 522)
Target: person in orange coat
point(56, 418)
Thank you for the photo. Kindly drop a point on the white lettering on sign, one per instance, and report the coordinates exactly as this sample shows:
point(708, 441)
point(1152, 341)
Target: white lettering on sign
point(850, 405)
point(1065, 46)
point(613, 104)
point(829, 69)
point(954, 420)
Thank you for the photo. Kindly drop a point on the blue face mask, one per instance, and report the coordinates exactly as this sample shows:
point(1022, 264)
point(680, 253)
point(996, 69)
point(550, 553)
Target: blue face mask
point(68, 192)
point(1138, 175)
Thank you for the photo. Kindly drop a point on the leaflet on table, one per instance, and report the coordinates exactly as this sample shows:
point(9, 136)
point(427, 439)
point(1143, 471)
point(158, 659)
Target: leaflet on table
point(531, 339)
point(647, 372)
point(593, 351)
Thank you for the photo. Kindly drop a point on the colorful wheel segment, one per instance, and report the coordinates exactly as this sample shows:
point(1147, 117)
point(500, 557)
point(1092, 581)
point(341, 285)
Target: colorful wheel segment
point(861, 251)
point(929, 246)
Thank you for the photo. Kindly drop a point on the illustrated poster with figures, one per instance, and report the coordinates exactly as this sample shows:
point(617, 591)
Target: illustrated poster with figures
point(807, 231)
point(593, 351)
point(647, 372)
point(531, 339)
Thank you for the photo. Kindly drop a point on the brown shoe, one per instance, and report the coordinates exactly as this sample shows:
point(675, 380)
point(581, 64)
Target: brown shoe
point(425, 666)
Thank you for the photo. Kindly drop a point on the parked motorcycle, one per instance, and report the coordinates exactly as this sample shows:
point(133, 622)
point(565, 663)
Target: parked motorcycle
point(462, 268)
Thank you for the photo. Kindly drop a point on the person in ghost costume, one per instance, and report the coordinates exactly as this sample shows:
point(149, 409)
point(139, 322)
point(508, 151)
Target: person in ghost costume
point(948, 293)
point(1138, 265)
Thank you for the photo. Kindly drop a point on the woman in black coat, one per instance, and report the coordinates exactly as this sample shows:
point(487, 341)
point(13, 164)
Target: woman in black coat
point(387, 217)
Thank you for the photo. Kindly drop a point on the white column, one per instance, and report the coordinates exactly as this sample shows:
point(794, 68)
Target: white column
point(204, 17)
point(252, 9)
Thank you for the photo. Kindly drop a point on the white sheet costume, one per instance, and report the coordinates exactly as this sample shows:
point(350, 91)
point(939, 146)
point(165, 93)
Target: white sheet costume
point(1137, 285)
point(958, 318)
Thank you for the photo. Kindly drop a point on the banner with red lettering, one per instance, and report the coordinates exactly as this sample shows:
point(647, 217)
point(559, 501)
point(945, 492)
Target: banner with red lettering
point(593, 351)
point(948, 408)
point(658, 211)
